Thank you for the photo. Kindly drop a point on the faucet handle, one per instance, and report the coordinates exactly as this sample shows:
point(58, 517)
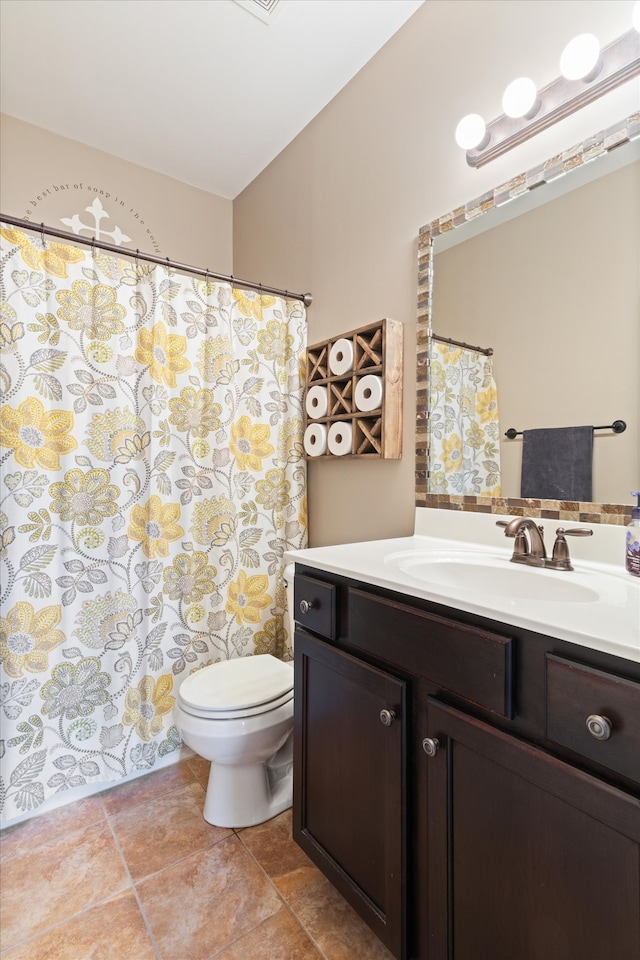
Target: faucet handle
point(502, 523)
point(560, 559)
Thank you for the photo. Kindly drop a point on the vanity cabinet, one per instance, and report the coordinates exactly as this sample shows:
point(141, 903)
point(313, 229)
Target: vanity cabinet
point(479, 818)
point(349, 758)
point(528, 856)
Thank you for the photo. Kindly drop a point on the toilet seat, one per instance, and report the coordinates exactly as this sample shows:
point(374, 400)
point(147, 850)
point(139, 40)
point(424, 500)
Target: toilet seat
point(233, 689)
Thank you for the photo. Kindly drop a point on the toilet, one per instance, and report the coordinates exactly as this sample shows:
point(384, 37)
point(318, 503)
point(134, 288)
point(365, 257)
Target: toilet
point(239, 715)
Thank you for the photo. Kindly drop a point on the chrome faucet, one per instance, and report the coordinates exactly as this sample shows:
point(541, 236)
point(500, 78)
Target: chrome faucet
point(529, 545)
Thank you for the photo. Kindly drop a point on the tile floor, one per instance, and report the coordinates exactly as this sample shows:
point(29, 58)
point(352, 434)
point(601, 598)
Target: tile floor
point(135, 873)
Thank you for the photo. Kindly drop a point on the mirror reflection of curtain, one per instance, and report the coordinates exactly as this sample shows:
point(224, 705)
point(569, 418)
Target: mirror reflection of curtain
point(464, 430)
point(153, 476)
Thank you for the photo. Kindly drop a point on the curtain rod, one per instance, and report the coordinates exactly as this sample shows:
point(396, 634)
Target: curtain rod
point(306, 298)
point(488, 351)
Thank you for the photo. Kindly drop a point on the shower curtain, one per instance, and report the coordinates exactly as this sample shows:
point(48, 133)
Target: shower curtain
point(152, 476)
point(464, 430)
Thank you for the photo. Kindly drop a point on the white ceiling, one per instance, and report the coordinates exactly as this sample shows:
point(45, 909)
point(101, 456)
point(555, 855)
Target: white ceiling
point(200, 90)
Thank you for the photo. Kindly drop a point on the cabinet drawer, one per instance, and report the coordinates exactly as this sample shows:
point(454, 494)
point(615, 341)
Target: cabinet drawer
point(576, 693)
point(315, 605)
point(470, 662)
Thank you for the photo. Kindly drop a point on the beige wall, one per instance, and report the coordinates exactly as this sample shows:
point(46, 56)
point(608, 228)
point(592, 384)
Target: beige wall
point(338, 211)
point(45, 177)
point(565, 351)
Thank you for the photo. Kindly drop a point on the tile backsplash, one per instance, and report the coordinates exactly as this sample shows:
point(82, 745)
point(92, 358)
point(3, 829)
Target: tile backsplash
point(565, 510)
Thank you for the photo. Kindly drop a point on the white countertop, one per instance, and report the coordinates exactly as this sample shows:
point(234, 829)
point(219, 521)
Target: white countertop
point(608, 620)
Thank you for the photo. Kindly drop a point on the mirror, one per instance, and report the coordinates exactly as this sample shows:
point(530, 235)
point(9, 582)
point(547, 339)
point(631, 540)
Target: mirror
point(545, 271)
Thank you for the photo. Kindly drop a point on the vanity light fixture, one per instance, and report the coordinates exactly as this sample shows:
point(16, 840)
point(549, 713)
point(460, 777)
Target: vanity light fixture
point(587, 73)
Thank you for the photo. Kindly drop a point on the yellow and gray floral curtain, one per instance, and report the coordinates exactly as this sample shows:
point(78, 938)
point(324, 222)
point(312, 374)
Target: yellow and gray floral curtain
point(152, 476)
point(464, 432)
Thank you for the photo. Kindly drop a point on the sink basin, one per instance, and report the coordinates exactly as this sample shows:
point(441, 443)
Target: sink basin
point(496, 576)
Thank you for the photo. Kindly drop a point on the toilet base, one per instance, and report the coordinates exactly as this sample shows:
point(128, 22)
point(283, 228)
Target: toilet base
point(244, 795)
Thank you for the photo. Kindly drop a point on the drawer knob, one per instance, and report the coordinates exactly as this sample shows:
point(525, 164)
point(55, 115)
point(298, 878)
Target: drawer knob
point(599, 727)
point(430, 746)
point(387, 717)
point(306, 605)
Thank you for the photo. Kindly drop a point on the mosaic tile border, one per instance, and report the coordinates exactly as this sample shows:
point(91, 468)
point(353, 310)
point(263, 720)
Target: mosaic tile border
point(595, 146)
point(566, 510)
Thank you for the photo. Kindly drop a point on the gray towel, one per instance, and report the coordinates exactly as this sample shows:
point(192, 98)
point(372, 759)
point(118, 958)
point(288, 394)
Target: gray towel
point(557, 463)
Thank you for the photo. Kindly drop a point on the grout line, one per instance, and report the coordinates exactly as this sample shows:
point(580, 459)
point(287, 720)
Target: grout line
point(286, 904)
point(259, 865)
point(69, 828)
point(135, 892)
point(159, 796)
point(74, 916)
point(98, 789)
point(290, 906)
point(197, 778)
point(187, 856)
point(300, 922)
point(61, 923)
point(109, 818)
point(236, 834)
point(246, 933)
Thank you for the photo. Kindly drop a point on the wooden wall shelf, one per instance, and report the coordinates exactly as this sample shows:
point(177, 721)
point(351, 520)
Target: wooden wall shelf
point(378, 350)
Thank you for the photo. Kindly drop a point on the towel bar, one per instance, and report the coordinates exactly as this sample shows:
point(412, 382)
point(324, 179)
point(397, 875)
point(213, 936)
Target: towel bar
point(618, 426)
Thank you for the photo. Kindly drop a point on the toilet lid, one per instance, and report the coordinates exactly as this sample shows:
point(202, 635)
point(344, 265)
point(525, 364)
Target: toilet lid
point(233, 686)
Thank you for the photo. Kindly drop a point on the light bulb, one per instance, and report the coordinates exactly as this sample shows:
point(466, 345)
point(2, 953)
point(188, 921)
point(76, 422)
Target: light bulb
point(471, 131)
point(635, 16)
point(580, 57)
point(520, 98)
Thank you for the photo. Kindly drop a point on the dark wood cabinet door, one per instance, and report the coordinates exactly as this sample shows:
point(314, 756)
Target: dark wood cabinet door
point(348, 804)
point(528, 857)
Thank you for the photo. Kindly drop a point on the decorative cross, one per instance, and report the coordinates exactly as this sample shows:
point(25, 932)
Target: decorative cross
point(98, 212)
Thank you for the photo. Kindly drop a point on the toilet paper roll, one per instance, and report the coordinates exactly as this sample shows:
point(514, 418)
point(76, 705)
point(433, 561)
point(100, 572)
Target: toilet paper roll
point(315, 440)
point(368, 395)
point(341, 357)
point(340, 435)
point(317, 402)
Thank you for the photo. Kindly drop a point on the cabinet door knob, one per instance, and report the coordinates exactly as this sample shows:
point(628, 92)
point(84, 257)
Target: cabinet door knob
point(430, 746)
point(305, 606)
point(599, 727)
point(387, 717)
